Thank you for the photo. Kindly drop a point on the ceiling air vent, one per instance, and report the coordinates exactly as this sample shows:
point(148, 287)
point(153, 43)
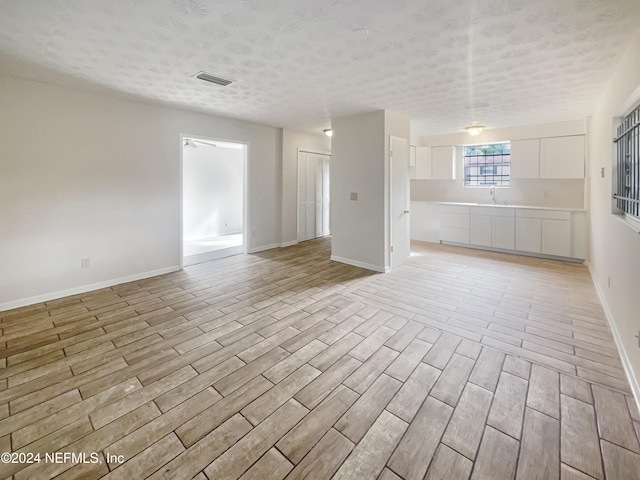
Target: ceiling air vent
point(207, 77)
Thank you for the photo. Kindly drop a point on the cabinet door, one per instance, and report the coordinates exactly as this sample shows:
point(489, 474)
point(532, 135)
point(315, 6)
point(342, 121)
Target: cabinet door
point(503, 234)
point(480, 230)
point(443, 163)
point(412, 162)
point(423, 163)
point(556, 237)
point(528, 234)
point(562, 157)
point(525, 158)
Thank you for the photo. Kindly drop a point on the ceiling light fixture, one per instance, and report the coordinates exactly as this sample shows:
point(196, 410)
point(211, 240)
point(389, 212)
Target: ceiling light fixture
point(328, 132)
point(474, 130)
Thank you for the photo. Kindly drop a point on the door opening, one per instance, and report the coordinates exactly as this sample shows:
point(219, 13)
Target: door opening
point(213, 199)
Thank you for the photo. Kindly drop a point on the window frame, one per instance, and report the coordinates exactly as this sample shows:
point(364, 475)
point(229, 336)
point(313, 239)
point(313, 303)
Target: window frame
point(626, 175)
point(486, 181)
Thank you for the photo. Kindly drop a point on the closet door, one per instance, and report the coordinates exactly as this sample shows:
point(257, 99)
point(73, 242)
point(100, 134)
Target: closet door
point(306, 197)
point(326, 206)
point(313, 196)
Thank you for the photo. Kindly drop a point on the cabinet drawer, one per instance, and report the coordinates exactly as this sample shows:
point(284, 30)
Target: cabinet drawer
point(444, 208)
point(493, 211)
point(552, 214)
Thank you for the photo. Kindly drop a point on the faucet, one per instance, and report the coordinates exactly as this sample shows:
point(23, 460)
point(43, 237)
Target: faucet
point(493, 194)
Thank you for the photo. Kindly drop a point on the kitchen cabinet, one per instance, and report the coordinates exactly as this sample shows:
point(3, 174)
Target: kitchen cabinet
point(454, 223)
point(537, 231)
point(412, 162)
point(423, 163)
point(525, 158)
point(492, 227)
point(556, 237)
point(443, 163)
point(480, 231)
point(529, 235)
point(503, 233)
point(544, 231)
point(562, 157)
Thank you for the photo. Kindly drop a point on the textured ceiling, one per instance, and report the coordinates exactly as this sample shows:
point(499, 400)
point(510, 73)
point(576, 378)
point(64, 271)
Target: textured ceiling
point(298, 63)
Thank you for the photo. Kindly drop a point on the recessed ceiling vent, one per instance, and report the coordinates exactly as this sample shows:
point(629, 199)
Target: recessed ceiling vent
point(207, 77)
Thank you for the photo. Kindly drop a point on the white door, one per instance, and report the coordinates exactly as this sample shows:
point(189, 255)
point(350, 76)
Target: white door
point(313, 195)
point(400, 240)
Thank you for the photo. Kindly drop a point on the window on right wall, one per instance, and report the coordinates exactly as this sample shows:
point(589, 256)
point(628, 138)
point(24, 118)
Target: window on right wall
point(627, 177)
point(487, 165)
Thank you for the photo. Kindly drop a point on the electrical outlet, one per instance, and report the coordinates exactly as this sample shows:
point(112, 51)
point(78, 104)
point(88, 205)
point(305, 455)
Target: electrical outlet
point(84, 263)
point(354, 196)
point(544, 194)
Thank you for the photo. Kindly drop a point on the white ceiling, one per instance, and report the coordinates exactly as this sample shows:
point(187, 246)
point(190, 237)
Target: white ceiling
point(297, 63)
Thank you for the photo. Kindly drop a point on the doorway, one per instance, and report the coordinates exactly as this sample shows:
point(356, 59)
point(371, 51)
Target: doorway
point(400, 234)
point(213, 199)
point(314, 208)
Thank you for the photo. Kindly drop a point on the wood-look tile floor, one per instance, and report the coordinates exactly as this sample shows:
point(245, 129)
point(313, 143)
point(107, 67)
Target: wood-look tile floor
point(460, 364)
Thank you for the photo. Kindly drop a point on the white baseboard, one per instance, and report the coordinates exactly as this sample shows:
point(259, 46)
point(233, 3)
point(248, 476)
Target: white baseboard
point(263, 248)
point(356, 263)
point(84, 288)
point(289, 244)
point(626, 364)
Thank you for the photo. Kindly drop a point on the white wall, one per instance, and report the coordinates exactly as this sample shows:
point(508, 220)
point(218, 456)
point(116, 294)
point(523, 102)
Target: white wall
point(212, 186)
point(534, 192)
point(292, 141)
point(615, 247)
point(89, 175)
point(358, 166)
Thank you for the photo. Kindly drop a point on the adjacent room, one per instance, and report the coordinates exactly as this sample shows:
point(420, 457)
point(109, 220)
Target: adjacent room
point(359, 240)
point(213, 192)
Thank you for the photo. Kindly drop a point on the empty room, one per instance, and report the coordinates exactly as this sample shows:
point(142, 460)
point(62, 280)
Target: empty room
point(287, 239)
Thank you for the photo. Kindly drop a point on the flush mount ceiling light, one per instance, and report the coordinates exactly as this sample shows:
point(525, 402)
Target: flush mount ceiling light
point(207, 77)
point(328, 132)
point(474, 130)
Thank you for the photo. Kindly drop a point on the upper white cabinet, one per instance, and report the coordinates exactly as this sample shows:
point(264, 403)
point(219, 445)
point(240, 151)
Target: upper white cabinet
point(443, 163)
point(412, 162)
point(423, 163)
point(562, 157)
point(525, 158)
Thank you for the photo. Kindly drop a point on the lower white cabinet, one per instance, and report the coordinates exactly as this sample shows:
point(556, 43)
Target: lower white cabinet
point(503, 233)
point(529, 235)
point(559, 233)
point(556, 237)
point(454, 223)
point(480, 230)
point(492, 227)
point(544, 231)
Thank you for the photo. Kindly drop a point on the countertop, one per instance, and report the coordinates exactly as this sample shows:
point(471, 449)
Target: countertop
point(502, 205)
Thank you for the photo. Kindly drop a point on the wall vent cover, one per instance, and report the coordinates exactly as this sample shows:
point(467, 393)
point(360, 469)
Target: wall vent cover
point(207, 77)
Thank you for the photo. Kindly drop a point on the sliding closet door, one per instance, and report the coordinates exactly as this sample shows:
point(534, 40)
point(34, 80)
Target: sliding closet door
point(313, 196)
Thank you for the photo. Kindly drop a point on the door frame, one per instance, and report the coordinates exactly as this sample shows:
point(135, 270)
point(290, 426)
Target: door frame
point(315, 152)
point(245, 187)
point(408, 200)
